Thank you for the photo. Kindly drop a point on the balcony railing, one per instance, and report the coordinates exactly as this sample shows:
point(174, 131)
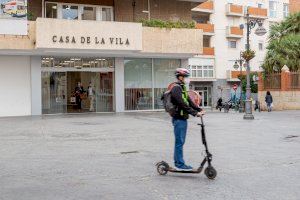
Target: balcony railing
point(208, 29)
point(258, 12)
point(206, 7)
point(234, 32)
point(23, 42)
point(234, 10)
point(208, 51)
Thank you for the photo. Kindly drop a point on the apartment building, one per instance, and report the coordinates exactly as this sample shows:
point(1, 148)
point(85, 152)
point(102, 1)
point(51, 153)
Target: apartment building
point(90, 55)
point(223, 39)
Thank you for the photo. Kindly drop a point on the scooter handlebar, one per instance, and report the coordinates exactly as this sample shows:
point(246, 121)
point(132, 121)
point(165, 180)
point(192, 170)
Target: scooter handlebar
point(201, 118)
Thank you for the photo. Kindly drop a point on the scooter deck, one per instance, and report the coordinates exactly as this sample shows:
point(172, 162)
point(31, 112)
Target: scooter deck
point(194, 171)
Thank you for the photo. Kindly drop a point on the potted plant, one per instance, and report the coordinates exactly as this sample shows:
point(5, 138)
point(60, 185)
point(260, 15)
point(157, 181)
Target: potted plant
point(248, 54)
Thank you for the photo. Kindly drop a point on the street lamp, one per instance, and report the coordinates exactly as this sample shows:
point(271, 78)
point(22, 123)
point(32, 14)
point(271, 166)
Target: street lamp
point(239, 64)
point(250, 24)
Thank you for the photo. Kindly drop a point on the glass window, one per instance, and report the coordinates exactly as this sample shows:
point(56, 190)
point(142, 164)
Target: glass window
point(106, 14)
point(259, 5)
point(69, 12)
point(54, 92)
point(202, 71)
point(163, 70)
point(232, 44)
point(260, 46)
point(61, 92)
point(273, 9)
point(138, 84)
point(199, 72)
point(89, 13)
point(285, 9)
point(51, 10)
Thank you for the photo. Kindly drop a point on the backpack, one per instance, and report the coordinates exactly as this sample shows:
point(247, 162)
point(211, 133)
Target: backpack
point(167, 103)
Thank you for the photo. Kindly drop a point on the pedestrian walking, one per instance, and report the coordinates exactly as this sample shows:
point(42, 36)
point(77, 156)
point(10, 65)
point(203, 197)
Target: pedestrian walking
point(269, 101)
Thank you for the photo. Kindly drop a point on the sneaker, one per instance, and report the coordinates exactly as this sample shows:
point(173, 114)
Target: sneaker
point(184, 168)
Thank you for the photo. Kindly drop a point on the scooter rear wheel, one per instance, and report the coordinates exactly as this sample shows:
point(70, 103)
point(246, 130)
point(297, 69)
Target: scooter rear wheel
point(162, 168)
point(210, 172)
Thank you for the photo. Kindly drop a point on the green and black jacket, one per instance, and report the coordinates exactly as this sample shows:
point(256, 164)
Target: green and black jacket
point(185, 105)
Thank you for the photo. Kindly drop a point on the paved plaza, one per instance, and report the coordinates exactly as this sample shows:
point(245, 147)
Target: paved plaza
point(113, 156)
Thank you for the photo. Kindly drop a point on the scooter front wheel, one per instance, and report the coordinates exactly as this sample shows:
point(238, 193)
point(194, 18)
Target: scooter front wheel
point(210, 172)
point(162, 168)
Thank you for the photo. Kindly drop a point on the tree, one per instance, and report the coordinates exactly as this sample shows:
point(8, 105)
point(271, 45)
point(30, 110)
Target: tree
point(284, 45)
point(253, 84)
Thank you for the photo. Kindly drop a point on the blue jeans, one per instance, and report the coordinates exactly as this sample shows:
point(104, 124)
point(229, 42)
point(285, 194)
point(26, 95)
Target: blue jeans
point(269, 107)
point(180, 128)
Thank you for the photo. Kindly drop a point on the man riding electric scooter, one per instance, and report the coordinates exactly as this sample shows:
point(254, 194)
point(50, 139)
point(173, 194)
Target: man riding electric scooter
point(184, 107)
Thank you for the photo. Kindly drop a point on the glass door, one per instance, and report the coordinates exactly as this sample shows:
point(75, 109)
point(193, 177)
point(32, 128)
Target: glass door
point(105, 92)
point(205, 93)
point(54, 92)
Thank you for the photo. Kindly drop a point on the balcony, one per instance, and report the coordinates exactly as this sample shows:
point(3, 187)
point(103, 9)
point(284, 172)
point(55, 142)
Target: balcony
point(24, 42)
point(208, 51)
point(234, 32)
point(208, 29)
point(60, 36)
point(206, 7)
point(234, 10)
point(260, 13)
point(170, 41)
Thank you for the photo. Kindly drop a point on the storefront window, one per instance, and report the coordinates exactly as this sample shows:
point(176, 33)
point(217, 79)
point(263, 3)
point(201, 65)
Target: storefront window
point(51, 10)
point(77, 86)
point(89, 13)
point(69, 12)
point(54, 92)
point(163, 75)
point(143, 93)
point(138, 84)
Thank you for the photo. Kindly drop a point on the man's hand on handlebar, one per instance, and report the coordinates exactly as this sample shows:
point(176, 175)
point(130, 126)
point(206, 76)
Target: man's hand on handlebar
point(200, 114)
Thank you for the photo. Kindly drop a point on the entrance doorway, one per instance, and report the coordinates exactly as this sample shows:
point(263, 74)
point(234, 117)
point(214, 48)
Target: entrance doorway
point(69, 90)
point(205, 93)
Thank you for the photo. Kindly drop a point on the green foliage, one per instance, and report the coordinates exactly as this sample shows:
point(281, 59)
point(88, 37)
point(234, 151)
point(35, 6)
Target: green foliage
point(253, 85)
point(284, 45)
point(248, 54)
point(30, 16)
point(167, 24)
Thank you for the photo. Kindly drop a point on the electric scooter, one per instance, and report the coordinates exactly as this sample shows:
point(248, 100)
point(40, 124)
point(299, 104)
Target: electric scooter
point(163, 167)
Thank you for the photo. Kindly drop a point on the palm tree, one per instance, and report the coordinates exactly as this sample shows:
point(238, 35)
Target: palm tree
point(284, 45)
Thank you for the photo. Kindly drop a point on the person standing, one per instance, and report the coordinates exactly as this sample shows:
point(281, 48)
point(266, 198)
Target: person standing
point(184, 107)
point(91, 95)
point(78, 92)
point(269, 101)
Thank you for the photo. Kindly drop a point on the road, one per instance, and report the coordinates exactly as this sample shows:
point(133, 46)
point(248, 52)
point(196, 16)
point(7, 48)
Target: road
point(113, 156)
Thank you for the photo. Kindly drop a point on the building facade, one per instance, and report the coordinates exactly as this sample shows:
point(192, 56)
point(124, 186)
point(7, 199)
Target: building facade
point(92, 56)
point(223, 40)
point(122, 65)
point(294, 6)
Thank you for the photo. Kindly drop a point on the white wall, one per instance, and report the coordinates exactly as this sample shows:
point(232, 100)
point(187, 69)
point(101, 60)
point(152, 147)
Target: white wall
point(36, 85)
point(15, 95)
point(119, 85)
